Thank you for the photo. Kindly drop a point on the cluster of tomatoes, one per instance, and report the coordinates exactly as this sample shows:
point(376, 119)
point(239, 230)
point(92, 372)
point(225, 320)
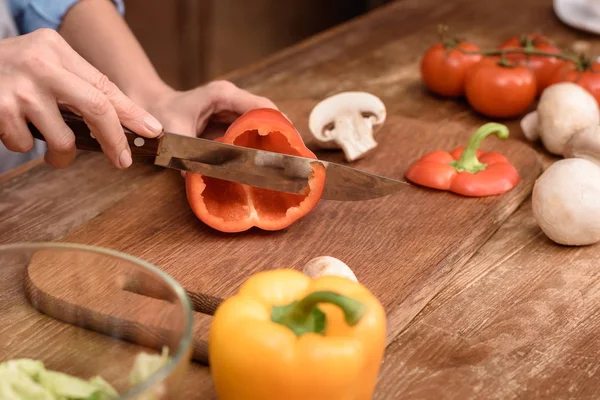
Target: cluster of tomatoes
point(504, 82)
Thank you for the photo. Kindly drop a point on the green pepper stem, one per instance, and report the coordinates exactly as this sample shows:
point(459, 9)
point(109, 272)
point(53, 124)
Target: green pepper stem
point(468, 160)
point(304, 316)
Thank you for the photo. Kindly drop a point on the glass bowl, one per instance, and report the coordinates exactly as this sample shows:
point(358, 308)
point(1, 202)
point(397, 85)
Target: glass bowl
point(86, 312)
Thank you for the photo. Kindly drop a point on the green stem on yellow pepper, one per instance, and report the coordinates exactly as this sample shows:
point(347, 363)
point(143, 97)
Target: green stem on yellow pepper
point(304, 316)
point(468, 160)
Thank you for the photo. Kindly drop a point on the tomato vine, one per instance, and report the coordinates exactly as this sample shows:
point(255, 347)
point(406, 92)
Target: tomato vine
point(533, 62)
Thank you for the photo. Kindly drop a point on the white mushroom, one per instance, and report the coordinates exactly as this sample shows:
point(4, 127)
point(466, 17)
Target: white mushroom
point(566, 202)
point(347, 120)
point(564, 109)
point(578, 14)
point(325, 265)
point(585, 144)
point(529, 125)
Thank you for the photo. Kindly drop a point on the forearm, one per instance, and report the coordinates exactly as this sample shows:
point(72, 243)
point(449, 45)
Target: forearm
point(97, 32)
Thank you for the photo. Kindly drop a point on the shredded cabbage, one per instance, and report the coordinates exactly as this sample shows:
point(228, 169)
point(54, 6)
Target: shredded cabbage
point(26, 379)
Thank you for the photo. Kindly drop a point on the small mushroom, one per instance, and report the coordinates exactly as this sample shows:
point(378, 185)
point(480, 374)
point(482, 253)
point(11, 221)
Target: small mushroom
point(566, 202)
point(347, 120)
point(564, 109)
point(326, 265)
point(585, 144)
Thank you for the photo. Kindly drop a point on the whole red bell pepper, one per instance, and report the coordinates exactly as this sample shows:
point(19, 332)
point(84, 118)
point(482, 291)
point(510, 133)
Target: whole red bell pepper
point(467, 171)
point(232, 207)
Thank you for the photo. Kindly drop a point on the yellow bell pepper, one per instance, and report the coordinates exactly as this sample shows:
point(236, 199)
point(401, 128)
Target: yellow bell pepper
point(285, 336)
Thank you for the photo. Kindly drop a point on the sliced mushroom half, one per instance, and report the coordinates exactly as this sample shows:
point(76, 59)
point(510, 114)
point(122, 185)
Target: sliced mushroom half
point(348, 121)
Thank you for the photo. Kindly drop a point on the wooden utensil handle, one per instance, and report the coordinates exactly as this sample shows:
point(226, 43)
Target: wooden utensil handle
point(140, 146)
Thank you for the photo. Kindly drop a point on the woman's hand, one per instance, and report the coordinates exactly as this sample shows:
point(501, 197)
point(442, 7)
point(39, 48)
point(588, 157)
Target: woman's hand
point(39, 72)
point(188, 112)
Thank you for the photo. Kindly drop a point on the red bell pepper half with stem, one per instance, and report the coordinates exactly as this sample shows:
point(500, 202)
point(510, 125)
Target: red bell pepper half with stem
point(233, 207)
point(467, 171)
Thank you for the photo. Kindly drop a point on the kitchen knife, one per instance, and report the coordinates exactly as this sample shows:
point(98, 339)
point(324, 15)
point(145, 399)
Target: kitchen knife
point(259, 168)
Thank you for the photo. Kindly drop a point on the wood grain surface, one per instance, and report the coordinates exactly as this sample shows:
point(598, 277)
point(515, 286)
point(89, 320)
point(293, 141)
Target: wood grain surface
point(27, 333)
point(403, 257)
point(518, 321)
point(113, 297)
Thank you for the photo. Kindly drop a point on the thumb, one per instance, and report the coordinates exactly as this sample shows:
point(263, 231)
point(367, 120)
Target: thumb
point(228, 97)
point(242, 101)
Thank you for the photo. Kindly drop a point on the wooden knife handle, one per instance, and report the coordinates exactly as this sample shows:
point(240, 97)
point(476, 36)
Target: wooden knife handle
point(140, 146)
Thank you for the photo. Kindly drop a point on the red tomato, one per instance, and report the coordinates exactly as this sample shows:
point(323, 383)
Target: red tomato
point(522, 41)
point(543, 67)
point(444, 70)
point(588, 78)
point(500, 91)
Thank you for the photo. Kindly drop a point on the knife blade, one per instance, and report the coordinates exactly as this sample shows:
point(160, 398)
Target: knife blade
point(258, 168)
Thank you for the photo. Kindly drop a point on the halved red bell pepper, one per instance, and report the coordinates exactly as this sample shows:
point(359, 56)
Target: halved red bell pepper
point(467, 171)
point(233, 207)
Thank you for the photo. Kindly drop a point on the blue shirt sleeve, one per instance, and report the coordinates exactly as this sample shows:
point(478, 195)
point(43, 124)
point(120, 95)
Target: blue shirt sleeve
point(30, 15)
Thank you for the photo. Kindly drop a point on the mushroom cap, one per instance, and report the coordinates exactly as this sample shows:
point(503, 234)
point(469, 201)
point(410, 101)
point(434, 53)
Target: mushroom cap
point(326, 265)
point(566, 202)
point(322, 116)
point(578, 14)
point(564, 108)
point(585, 144)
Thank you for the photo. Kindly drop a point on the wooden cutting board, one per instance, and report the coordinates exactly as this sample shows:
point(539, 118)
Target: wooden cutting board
point(403, 247)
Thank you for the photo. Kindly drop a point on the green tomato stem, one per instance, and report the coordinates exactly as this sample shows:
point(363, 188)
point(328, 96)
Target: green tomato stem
point(504, 61)
point(527, 42)
point(448, 42)
point(468, 160)
point(527, 51)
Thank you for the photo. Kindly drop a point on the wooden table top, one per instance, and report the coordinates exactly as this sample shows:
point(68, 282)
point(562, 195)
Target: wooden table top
point(520, 320)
